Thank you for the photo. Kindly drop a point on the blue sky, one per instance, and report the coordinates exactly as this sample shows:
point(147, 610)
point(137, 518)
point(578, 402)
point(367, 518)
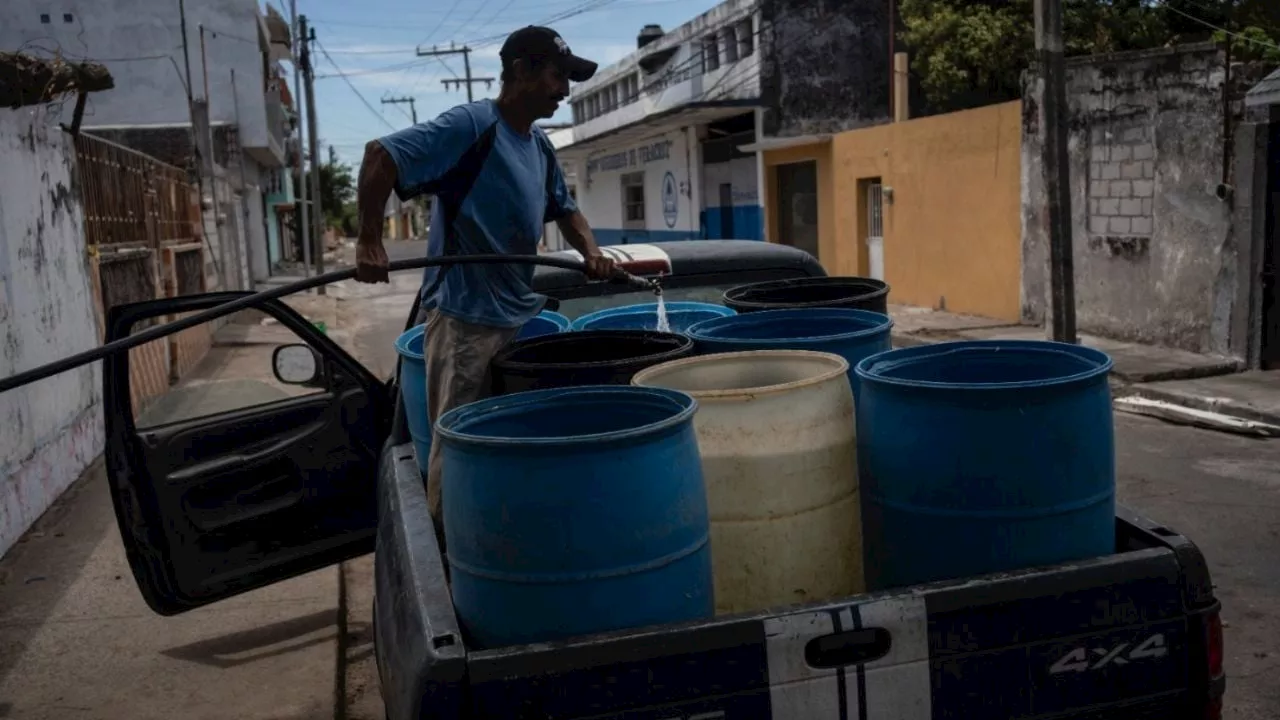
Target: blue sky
point(373, 43)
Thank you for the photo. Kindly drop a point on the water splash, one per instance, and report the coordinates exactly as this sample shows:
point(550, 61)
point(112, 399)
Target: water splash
point(664, 325)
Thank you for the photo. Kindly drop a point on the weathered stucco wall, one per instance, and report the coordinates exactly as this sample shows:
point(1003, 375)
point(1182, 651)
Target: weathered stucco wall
point(52, 429)
point(1155, 258)
point(824, 65)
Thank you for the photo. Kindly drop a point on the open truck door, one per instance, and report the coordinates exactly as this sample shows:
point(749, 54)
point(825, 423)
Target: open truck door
point(218, 498)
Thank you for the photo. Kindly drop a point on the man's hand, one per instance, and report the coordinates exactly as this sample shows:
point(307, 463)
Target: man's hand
point(600, 266)
point(371, 262)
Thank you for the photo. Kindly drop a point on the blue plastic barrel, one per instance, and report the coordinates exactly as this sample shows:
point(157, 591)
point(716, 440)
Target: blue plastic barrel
point(573, 511)
point(544, 323)
point(680, 315)
point(413, 391)
point(413, 375)
point(987, 456)
point(851, 334)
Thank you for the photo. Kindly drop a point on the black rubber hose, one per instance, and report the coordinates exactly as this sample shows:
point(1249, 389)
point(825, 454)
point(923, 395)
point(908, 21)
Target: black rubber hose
point(231, 306)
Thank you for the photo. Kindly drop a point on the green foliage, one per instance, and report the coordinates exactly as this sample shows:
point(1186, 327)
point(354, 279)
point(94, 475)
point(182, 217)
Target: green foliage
point(337, 195)
point(967, 53)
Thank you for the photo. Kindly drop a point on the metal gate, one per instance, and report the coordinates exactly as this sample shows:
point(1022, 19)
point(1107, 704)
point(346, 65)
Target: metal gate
point(875, 230)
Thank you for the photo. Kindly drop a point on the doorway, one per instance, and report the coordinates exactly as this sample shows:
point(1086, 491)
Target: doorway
point(874, 209)
point(798, 205)
point(726, 211)
point(1270, 347)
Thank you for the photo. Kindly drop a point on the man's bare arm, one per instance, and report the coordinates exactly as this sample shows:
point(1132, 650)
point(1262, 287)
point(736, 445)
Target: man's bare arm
point(577, 231)
point(377, 180)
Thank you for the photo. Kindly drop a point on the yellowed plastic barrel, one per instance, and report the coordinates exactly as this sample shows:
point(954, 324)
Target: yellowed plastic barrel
point(775, 430)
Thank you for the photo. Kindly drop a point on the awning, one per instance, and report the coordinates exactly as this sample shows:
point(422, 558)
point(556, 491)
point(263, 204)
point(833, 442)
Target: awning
point(782, 143)
point(663, 122)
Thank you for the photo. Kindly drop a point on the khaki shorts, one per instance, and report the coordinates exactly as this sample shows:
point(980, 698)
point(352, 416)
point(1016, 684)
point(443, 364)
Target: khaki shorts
point(457, 356)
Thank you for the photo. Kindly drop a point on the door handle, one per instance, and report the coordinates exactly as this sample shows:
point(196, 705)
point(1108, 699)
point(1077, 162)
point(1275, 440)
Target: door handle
point(851, 647)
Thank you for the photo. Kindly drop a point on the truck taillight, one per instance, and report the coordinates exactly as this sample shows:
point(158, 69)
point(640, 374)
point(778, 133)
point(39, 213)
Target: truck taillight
point(1213, 644)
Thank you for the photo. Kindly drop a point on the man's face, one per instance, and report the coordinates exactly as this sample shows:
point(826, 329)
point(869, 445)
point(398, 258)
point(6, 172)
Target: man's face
point(544, 87)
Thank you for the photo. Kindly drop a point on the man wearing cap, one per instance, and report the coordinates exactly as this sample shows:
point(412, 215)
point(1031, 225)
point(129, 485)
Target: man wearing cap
point(497, 183)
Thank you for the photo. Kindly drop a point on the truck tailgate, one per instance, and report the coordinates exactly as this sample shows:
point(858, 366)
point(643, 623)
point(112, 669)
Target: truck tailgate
point(1121, 636)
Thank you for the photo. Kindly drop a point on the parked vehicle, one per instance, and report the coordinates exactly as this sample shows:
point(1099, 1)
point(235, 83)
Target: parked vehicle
point(211, 507)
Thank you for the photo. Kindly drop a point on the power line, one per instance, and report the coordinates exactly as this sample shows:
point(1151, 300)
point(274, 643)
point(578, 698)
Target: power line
point(1211, 26)
point(398, 67)
point(352, 86)
point(443, 20)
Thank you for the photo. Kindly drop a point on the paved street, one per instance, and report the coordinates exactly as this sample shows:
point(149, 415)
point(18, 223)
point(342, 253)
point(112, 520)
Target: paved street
point(76, 640)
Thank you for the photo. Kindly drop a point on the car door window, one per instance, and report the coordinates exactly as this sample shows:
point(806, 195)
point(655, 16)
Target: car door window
point(232, 367)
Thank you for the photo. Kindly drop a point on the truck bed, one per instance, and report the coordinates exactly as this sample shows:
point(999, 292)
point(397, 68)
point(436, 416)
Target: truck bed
point(1121, 636)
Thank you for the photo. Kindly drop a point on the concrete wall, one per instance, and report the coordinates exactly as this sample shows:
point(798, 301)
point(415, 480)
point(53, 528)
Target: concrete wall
point(952, 231)
point(952, 228)
point(744, 205)
point(1155, 255)
point(52, 429)
point(824, 65)
point(671, 190)
point(149, 82)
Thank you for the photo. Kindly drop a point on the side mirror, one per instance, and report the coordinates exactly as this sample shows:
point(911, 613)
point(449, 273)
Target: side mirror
point(297, 364)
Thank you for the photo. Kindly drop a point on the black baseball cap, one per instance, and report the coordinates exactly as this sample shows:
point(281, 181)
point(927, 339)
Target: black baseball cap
point(543, 43)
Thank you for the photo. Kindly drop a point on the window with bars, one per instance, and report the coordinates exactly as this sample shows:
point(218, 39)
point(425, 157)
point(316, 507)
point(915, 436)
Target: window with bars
point(710, 53)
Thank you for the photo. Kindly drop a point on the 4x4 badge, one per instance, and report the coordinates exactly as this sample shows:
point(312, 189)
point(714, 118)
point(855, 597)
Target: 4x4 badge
point(1078, 660)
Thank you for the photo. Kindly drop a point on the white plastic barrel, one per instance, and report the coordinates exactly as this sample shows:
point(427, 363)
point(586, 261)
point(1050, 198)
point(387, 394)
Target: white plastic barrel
point(775, 430)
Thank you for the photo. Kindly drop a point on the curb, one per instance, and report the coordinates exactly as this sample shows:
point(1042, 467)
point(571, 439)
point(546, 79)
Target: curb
point(1220, 406)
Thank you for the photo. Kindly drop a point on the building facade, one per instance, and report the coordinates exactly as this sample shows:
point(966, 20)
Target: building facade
point(235, 81)
point(653, 149)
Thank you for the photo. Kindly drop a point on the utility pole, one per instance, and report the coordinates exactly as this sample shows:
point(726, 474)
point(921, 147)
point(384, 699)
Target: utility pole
point(313, 142)
point(1054, 165)
point(303, 219)
point(413, 112)
point(466, 63)
point(195, 145)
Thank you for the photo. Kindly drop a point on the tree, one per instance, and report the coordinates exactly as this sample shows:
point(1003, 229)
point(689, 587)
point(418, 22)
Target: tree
point(337, 195)
point(968, 53)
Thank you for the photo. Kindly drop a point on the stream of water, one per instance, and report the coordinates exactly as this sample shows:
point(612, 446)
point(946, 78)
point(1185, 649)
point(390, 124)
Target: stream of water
point(664, 325)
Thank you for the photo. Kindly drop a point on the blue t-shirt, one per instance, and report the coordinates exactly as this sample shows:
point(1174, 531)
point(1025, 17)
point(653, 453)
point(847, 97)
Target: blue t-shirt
point(505, 211)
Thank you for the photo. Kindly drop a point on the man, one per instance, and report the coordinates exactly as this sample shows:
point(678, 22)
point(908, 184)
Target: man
point(497, 183)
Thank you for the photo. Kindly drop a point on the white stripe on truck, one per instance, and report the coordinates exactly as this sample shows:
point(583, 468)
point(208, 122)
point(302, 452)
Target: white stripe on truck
point(895, 687)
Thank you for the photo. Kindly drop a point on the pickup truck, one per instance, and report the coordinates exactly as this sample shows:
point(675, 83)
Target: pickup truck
point(214, 506)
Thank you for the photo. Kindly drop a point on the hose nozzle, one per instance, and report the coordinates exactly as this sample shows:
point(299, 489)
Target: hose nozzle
point(626, 278)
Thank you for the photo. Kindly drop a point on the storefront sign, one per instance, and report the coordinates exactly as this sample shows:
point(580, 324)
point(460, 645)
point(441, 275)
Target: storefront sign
point(633, 158)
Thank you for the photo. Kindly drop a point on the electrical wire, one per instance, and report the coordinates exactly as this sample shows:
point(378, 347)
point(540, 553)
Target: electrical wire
point(1211, 26)
point(443, 20)
point(353, 87)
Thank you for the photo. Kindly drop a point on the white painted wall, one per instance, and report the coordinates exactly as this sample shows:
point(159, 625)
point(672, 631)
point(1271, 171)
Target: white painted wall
point(52, 429)
point(599, 178)
point(739, 172)
point(150, 91)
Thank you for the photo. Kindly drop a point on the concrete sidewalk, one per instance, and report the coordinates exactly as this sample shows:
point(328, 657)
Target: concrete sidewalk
point(1134, 363)
point(1177, 385)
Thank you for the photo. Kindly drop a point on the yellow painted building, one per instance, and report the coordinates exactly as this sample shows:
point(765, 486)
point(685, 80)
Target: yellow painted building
point(948, 232)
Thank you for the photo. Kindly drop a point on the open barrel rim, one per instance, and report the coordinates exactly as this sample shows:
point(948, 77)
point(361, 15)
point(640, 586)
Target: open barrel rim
point(873, 369)
point(407, 337)
point(452, 425)
point(705, 329)
point(582, 324)
point(741, 296)
point(503, 361)
point(838, 367)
